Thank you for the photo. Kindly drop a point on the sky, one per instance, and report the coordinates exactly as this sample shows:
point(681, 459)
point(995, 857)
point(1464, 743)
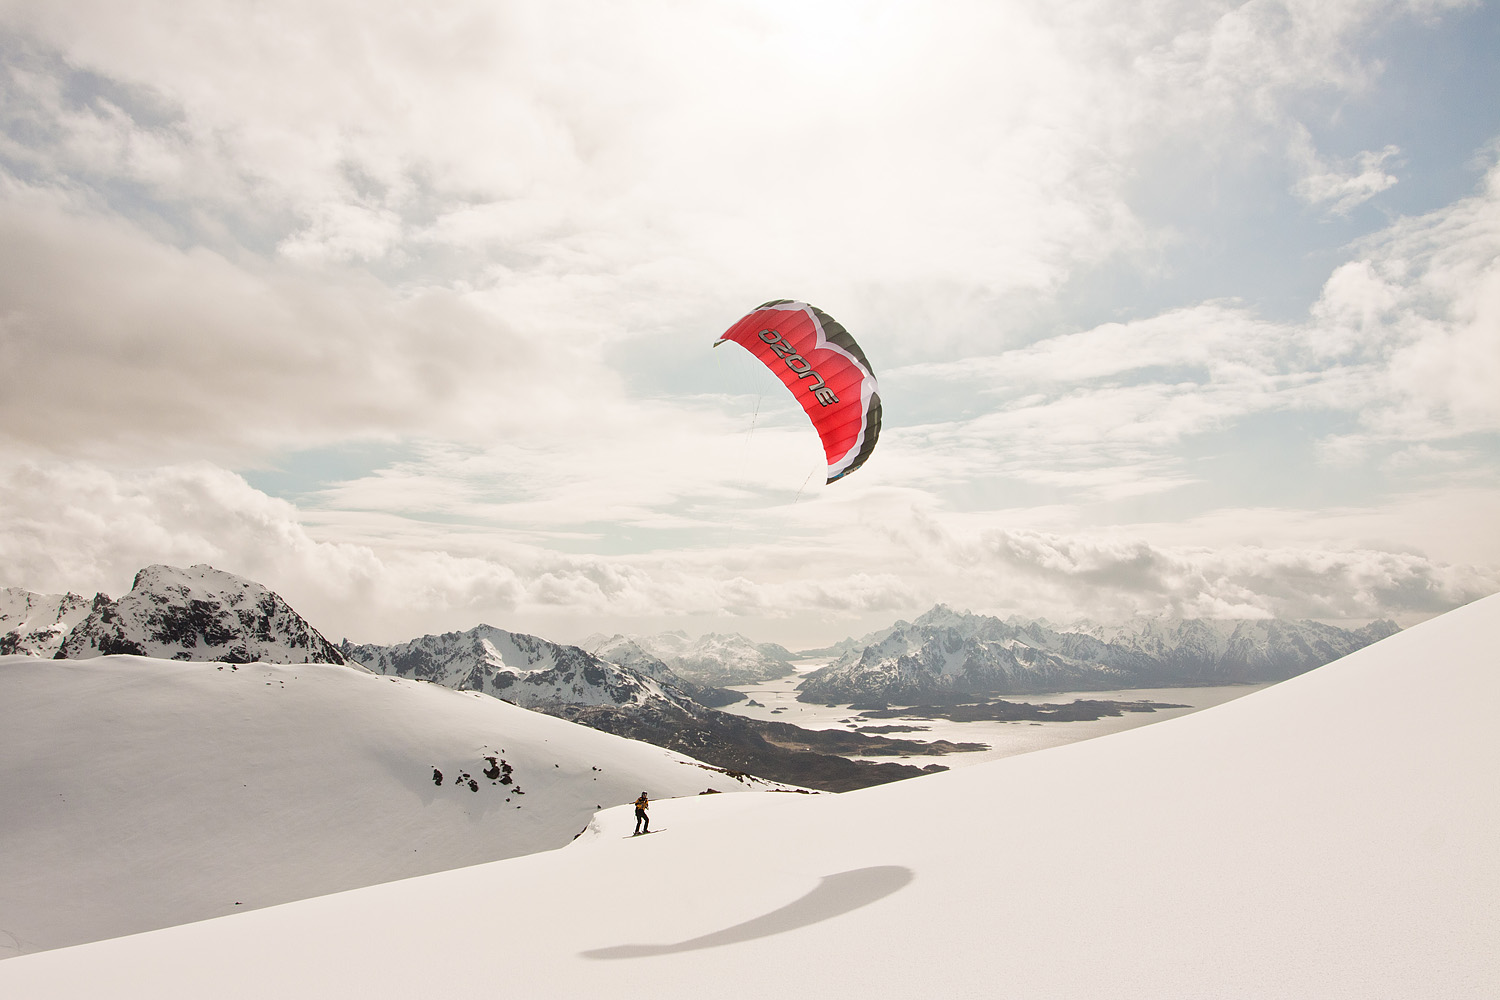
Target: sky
point(406, 311)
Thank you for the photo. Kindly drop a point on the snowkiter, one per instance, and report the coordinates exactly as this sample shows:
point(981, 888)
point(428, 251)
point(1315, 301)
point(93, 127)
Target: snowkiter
point(642, 821)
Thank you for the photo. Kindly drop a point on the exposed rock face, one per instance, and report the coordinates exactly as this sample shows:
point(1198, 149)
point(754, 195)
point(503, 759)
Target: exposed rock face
point(714, 659)
point(523, 669)
point(944, 654)
point(643, 701)
point(36, 624)
point(197, 613)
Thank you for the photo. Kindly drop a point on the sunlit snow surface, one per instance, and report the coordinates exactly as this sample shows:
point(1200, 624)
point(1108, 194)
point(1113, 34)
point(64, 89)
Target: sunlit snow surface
point(1330, 836)
point(138, 793)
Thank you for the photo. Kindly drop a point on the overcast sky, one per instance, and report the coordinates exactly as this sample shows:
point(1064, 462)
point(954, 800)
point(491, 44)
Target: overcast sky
point(405, 310)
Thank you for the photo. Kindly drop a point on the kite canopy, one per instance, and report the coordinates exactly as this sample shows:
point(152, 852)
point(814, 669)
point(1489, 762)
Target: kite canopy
point(816, 359)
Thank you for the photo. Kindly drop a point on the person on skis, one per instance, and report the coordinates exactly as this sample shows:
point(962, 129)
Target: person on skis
point(642, 821)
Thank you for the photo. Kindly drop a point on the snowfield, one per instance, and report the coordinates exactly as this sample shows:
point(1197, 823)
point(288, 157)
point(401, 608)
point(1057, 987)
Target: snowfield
point(1330, 836)
point(138, 793)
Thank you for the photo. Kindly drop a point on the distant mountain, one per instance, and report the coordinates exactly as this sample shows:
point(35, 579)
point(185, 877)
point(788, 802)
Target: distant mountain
point(640, 698)
point(713, 659)
point(197, 613)
point(523, 669)
point(628, 653)
point(946, 654)
point(36, 624)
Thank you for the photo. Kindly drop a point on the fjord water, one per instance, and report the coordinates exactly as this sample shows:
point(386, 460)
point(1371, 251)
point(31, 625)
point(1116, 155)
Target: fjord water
point(777, 701)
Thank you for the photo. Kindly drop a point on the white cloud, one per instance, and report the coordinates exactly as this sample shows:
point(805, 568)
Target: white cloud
point(1120, 575)
point(904, 155)
point(85, 527)
point(1343, 187)
point(116, 344)
point(342, 232)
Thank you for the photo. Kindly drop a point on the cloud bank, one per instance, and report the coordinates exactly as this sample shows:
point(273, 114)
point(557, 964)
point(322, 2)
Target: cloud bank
point(496, 241)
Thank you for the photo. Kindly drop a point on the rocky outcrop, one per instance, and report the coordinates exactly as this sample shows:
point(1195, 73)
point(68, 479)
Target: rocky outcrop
point(36, 624)
point(197, 613)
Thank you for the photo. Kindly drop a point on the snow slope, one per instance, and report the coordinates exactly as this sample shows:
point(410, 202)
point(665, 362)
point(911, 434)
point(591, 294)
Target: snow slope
point(1330, 836)
point(139, 793)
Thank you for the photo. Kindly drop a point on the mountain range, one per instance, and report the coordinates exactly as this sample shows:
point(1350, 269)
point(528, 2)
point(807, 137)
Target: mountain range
point(639, 687)
point(200, 613)
point(641, 698)
point(518, 668)
point(946, 654)
point(712, 660)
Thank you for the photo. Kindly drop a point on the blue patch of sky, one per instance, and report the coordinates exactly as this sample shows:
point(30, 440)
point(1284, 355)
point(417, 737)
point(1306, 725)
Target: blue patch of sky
point(1274, 460)
point(1438, 98)
point(1260, 460)
point(1266, 460)
point(1240, 232)
point(299, 476)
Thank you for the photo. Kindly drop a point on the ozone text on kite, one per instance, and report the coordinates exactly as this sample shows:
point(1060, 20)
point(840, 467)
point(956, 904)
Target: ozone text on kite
point(798, 364)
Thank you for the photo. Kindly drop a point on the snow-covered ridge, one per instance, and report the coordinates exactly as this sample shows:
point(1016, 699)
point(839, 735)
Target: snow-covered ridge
point(713, 659)
point(36, 624)
point(197, 613)
point(946, 652)
point(519, 668)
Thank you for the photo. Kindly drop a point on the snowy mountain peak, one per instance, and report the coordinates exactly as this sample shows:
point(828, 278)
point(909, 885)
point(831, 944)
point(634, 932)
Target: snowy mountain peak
point(939, 613)
point(35, 624)
point(197, 613)
point(714, 659)
point(519, 668)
